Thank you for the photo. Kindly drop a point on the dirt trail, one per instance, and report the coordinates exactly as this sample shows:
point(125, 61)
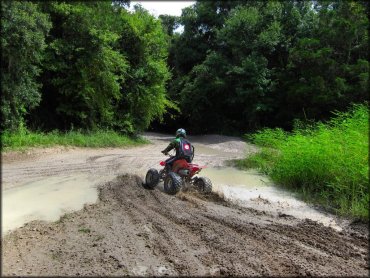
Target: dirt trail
point(134, 231)
point(20, 168)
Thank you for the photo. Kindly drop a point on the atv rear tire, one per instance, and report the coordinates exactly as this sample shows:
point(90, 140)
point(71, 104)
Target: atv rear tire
point(204, 185)
point(172, 183)
point(151, 178)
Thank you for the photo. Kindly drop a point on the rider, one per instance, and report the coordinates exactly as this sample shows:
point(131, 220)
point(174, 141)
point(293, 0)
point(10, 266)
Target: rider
point(175, 144)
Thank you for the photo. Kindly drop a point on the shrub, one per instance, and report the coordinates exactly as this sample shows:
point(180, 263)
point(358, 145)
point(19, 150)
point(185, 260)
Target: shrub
point(327, 163)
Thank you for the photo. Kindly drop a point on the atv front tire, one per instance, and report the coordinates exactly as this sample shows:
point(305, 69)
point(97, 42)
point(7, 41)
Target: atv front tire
point(151, 178)
point(172, 183)
point(203, 185)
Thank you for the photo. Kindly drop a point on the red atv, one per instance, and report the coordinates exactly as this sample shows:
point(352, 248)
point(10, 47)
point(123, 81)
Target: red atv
point(181, 176)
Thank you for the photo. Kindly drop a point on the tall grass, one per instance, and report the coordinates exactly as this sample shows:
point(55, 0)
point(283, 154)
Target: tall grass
point(24, 139)
point(327, 163)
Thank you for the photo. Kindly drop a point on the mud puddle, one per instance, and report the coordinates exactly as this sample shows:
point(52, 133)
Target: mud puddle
point(47, 199)
point(44, 192)
point(251, 189)
point(206, 150)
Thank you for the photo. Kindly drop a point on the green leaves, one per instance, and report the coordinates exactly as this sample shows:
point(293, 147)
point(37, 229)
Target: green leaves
point(237, 65)
point(326, 62)
point(100, 66)
point(327, 162)
point(229, 89)
point(85, 65)
point(105, 67)
point(144, 94)
point(277, 61)
point(270, 37)
point(23, 32)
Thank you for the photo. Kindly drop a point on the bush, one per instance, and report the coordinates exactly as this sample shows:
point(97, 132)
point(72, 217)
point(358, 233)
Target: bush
point(328, 163)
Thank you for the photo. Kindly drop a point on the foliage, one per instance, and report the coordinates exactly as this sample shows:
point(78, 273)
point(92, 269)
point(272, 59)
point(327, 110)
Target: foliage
point(169, 24)
point(103, 67)
point(23, 31)
point(327, 163)
point(329, 69)
point(238, 66)
point(263, 160)
point(268, 137)
point(83, 73)
point(144, 40)
point(244, 65)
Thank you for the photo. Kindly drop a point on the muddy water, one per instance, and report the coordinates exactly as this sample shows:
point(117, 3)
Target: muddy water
point(251, 189)
point(47, 199)
point(205, 150)
point(50, 197)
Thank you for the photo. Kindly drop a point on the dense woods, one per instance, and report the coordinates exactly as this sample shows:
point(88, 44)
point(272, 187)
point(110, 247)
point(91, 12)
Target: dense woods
point(243, 65)
point(82, 65)
point(237, 66)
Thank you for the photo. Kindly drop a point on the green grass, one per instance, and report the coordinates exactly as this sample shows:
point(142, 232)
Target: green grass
point(326, 163)
point(99, 139)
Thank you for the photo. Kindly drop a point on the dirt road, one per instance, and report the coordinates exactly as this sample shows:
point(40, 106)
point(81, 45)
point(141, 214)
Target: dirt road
point(20, 168)
point(134, 231)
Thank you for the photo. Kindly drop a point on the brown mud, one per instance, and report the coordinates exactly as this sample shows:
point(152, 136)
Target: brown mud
point(134, 231)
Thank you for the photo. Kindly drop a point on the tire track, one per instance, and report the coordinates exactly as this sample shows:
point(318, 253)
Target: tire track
point(134, 231)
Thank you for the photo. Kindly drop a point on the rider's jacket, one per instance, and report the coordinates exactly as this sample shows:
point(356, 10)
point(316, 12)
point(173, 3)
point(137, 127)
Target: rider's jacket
point(174, 144)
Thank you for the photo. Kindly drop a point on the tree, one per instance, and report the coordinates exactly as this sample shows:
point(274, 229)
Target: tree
point(240, 66)
point(23, 32)
point(144, 42)
point(328, 69)
point(233, 84)
point(83, 72)
point(169, 23)
point(105, 68)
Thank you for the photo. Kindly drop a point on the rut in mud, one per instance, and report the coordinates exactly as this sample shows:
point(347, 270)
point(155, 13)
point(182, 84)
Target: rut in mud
point(134, 231)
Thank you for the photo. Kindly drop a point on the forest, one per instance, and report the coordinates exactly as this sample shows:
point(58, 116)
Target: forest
point(237, 66)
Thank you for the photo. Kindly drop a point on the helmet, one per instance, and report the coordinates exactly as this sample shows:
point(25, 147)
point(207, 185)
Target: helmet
point(181, 132)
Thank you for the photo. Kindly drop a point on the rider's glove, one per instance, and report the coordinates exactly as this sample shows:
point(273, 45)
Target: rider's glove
point(164, 152)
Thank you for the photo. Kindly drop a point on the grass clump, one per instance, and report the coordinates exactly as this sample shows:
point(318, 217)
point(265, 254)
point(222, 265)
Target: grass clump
point(24, 139)
point(262, 160)
point(327, 162)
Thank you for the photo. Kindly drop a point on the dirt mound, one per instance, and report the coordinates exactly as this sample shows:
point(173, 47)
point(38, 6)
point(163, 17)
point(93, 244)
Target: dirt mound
point(134, 231)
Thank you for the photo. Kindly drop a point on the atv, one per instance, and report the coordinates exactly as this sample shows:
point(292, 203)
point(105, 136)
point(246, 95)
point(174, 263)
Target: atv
point(181, 176)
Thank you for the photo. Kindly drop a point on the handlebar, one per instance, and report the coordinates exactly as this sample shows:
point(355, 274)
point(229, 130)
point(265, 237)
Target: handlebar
point(170, 155)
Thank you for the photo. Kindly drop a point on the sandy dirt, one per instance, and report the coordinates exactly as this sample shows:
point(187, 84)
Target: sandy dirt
point(19, 168)
point(139, 232)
